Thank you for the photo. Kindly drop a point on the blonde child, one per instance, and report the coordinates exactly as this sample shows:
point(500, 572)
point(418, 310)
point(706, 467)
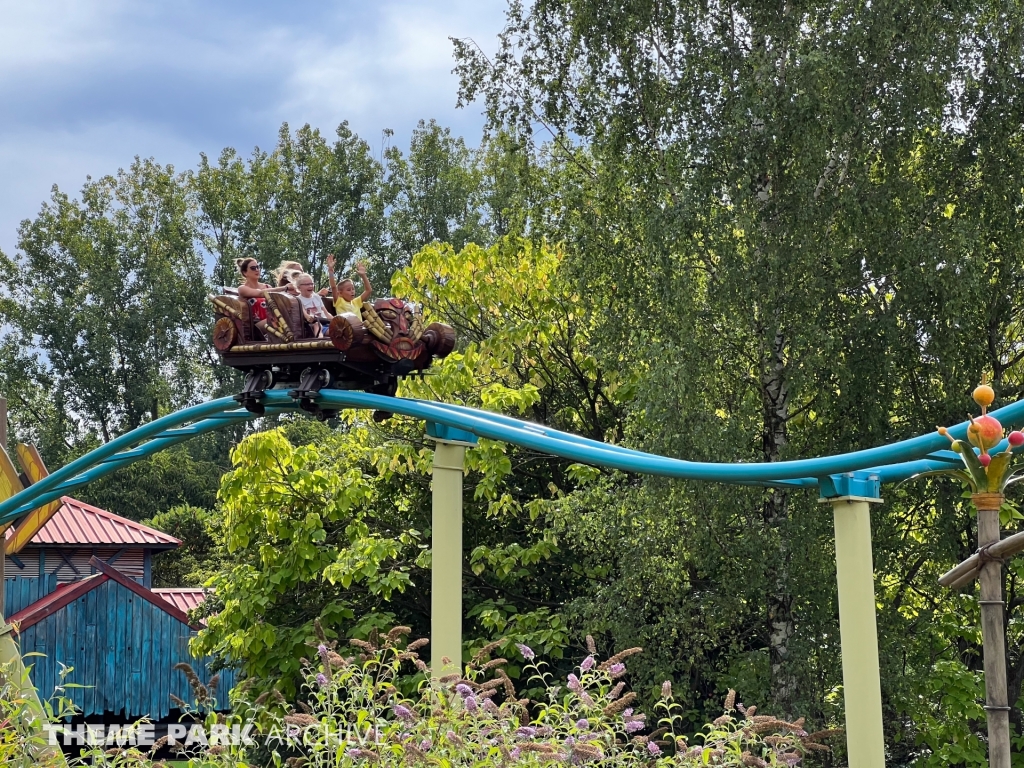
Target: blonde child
point(286, 273)
point(313, 308)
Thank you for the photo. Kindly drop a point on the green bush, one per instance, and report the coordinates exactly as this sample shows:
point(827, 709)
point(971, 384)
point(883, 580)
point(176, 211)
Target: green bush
point(379, 708)
point(355, 713)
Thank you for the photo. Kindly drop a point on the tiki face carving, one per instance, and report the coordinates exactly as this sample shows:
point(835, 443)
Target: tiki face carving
point(397, 328)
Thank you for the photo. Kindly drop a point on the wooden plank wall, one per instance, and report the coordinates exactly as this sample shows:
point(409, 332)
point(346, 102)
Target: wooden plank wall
point(22, 591)
point(122, 646)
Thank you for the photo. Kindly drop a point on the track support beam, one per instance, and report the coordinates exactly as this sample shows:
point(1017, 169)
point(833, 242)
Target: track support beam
point(446, 548)
point(858, 630)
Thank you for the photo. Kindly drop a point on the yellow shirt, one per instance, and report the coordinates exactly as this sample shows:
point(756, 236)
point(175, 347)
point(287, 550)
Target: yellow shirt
point(355, 306)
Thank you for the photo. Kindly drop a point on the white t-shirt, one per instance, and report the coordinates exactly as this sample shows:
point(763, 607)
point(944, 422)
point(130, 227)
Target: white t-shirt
point(314, 305)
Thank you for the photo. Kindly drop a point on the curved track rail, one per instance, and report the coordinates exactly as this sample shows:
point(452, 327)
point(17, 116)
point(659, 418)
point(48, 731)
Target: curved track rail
point(888, 463)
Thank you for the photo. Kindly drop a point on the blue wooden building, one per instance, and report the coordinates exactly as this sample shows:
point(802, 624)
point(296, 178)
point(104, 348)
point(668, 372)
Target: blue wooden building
point(80, 595)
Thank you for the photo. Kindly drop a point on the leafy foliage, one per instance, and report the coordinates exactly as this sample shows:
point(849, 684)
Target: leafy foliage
point(296, 529)
point(787, 210)
point(198, 557)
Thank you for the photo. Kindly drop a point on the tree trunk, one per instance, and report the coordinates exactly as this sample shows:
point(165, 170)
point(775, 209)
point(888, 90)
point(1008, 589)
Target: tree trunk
point(781, 625)
point(993, 634)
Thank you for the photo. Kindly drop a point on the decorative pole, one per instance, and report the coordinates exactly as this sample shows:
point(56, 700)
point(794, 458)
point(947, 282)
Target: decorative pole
point(987, 476)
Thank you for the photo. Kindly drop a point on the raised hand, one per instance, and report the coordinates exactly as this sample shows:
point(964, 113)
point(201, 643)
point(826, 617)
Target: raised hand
point(330, 261)
point(361, 268)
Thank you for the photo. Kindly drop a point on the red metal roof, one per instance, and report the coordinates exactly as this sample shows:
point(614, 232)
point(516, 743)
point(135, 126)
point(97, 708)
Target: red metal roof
point(68, 593)
point(185, 598)
point(78, 523)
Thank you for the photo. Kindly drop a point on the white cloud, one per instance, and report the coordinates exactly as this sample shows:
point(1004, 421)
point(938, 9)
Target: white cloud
point(399, 65)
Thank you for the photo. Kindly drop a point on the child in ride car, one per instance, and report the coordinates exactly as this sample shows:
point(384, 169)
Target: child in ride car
point(286, 273)
point(313, 308)
point(345, 299)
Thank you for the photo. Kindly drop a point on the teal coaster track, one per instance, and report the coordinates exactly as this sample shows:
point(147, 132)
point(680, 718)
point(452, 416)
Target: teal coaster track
point(884, 464)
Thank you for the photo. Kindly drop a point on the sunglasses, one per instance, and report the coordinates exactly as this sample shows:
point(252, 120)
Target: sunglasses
point(254, 266)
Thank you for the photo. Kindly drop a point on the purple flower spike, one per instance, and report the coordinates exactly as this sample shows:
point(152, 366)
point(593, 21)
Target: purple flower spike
point(403, 713)
point(633, 726)
point(322, 650)
point(527, 651)
point(588, 664)
point(617, 669)
point(574, 683)
point(582, 723)
point(471, 704)
point(321, 680)
point(425, 745)
point(653, 748)
point(463, 690)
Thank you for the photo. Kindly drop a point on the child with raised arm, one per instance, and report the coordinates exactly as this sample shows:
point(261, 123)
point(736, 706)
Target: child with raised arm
point(345, 299)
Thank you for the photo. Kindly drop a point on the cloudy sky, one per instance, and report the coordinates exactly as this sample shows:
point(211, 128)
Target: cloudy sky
point(86, 85)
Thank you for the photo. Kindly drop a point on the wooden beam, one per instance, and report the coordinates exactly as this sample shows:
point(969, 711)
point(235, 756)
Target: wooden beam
point(969, 569)
point(30, 524)
point(10, 482)
point(68, 561)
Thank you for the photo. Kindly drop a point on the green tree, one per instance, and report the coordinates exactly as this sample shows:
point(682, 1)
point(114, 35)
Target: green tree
point(111, 332)
point(302, 201)
point(115, 305)
point(434, 193)
point(196, 560)
point(785, 211)
point(330, 198)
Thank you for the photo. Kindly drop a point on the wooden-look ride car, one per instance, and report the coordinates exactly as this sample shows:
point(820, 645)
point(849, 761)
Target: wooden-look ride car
point(370, 352)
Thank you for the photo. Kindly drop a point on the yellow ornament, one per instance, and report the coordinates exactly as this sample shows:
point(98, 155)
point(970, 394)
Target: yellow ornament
point(984, 395)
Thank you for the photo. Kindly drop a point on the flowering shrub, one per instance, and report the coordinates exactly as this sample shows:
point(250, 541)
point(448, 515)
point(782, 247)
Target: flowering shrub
point(355, 714)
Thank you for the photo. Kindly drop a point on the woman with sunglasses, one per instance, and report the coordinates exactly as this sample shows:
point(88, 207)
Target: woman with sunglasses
point(252, 290)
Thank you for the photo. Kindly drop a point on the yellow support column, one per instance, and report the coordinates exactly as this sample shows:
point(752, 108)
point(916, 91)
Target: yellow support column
point(446, 547)
point(858, 631)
